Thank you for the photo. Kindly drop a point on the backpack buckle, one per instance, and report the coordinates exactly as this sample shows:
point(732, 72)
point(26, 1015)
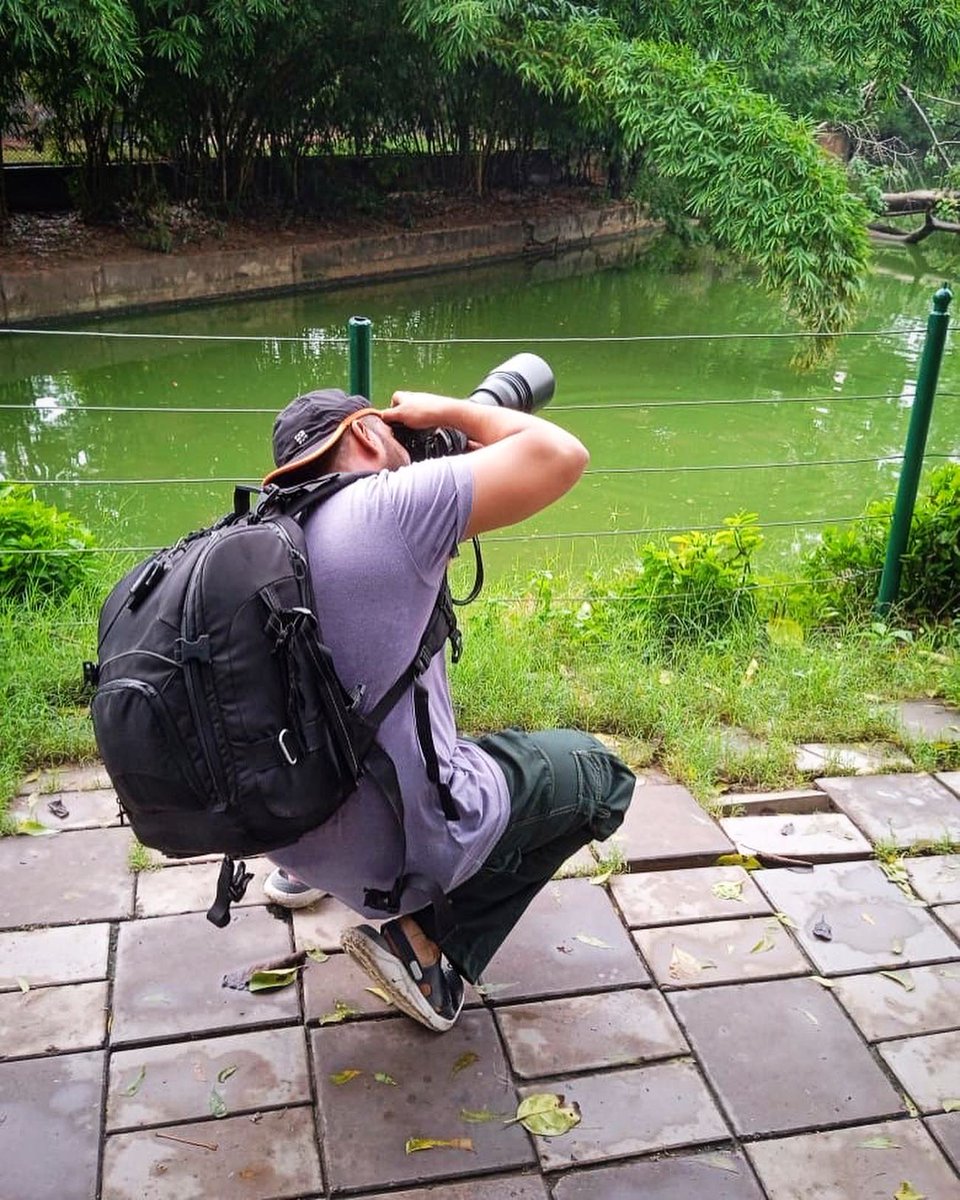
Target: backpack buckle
point(290, 755)
point(198, 651)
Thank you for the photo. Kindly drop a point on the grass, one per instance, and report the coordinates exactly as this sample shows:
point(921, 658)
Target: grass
point(529, 662)
point(44, 718)
point(140, 858)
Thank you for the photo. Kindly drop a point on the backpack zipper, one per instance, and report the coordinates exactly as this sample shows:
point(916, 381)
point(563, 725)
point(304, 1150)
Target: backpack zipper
point(332, 707)
point(194, 682)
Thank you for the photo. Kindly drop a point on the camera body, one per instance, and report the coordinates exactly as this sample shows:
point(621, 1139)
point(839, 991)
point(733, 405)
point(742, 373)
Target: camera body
point(523, 383)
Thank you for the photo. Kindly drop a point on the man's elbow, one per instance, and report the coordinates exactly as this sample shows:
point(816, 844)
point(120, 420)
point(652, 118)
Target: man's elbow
point(573, 461)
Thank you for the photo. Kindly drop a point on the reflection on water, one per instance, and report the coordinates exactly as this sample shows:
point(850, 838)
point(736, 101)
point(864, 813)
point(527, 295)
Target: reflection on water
point(682, 428)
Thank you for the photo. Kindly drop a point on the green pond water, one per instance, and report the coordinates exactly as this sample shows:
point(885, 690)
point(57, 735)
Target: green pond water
point(677, 424)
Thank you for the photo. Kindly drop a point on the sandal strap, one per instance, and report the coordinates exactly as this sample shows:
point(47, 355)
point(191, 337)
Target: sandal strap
point(441, 996)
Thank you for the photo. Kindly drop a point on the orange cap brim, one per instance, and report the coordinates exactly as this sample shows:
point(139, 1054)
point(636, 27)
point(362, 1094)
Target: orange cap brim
point(317, 451)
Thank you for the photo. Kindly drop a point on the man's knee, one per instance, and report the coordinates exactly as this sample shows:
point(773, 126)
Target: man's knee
point(606, 786)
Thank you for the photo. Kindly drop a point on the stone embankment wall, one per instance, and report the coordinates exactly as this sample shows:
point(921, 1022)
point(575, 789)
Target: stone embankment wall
point(155, 279)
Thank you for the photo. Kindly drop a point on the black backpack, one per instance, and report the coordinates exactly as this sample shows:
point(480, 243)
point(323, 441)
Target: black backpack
point(221, 721)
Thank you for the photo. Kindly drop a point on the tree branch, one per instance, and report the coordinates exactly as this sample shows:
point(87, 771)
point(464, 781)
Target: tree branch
point(923, 117)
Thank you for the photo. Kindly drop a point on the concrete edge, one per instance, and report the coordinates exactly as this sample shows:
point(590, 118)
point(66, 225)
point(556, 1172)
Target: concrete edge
point(149, 280)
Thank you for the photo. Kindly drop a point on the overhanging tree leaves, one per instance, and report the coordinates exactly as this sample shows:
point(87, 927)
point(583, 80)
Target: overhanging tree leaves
point(751, 173)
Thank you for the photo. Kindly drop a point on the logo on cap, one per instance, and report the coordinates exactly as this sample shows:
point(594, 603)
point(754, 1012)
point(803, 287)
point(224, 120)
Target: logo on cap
point(301, 436)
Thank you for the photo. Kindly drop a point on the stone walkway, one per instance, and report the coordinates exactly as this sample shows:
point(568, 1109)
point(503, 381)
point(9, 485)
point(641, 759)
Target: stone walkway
point(788, 1032)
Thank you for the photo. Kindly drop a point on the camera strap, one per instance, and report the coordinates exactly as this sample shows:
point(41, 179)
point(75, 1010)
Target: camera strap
point(478, 576)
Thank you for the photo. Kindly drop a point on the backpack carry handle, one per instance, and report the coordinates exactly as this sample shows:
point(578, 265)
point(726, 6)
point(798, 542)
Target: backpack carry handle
point(241, 498)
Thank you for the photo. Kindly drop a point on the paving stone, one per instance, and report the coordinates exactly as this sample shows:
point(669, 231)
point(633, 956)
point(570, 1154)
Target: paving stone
point(270, 1159)
point(58, 880)
point(65, 779)
point(807, 762)
point(928, 1067)
point(675, 897)
point(783, 1056)
point(929, 720)
point(582, 863)
point(192, 888)
point(53, 1019)
point(735, 740)
point(950, 779)
point(666, 827)
point(716, 1175)
point(339, 981)
point(50, 1132)
point(871, 922)
point(319, 926)
point(904, 809)
point(552, 950)
point(935, 879)
point(500, 1187)
point(720, 952)
point(841, 1164)
point(185, 1081)
point(71, 954)
point(169, 971)
point(632, 1112)
point(949, 914)
point(365, 1124)
point(863, 758)
point(93, 809)
point(882, 1008)
point(946, 1130)
point(584, 1033)
point(765, 804)
point(814, 837)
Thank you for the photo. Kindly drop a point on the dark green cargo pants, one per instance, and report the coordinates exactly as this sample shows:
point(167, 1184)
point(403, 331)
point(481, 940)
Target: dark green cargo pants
point(566, 789)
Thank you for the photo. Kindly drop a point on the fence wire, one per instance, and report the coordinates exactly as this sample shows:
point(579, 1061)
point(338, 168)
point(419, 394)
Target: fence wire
point(516, 340)
point(655, 402)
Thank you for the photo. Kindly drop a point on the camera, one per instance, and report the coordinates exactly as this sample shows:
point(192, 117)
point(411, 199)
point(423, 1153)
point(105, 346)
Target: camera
point(523, 383)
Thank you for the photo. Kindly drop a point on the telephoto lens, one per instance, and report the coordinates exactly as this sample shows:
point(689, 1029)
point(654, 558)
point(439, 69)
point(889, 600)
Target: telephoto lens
point(523, 383)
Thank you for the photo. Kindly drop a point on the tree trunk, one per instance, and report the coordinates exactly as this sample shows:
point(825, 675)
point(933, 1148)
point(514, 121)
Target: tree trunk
point(905, 203)
point(916, 202)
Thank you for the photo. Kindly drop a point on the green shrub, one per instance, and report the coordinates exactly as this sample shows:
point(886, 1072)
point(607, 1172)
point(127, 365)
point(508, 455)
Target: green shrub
point(696, 585)
point(26, 524)
point(848, 561)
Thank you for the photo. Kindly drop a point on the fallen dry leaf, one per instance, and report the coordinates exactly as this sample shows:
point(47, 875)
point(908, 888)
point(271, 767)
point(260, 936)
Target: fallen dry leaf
point(880, 1142)
point(345, 1076)
point(415, 1144)
point(685, 966)
point(592, 941)
point(341, 1011)
point(545, 1114)
point(467, 1059)
point(901, 977)
point(728, 889)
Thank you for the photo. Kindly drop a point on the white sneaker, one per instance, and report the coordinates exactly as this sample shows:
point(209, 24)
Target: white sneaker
point(285, 889)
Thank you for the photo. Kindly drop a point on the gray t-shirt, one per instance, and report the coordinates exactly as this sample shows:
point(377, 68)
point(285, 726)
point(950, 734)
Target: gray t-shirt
point(377, 553)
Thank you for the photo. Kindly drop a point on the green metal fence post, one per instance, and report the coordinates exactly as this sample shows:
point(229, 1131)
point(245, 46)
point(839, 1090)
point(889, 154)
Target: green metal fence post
point(937, 323)
point(360, 332)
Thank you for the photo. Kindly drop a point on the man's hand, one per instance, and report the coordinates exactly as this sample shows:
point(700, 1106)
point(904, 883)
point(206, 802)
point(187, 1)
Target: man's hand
point(421, 410)
point(521, 463)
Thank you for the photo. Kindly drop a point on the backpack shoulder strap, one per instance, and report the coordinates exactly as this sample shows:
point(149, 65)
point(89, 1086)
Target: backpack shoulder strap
point(441, 625)
point(296, 500)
